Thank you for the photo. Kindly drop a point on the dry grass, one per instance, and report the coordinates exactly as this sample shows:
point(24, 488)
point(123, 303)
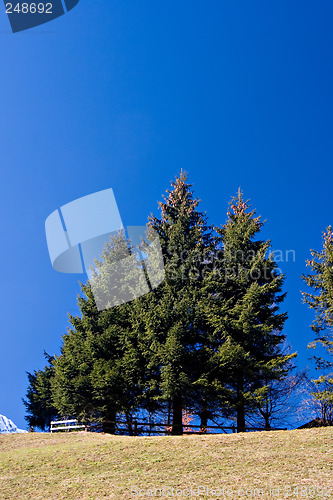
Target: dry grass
point(96, 466)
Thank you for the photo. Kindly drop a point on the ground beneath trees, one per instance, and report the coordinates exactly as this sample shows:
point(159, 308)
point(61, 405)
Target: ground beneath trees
point(282, 464)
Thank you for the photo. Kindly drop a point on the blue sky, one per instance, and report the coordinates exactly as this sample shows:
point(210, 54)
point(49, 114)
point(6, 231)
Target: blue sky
point(124, 94)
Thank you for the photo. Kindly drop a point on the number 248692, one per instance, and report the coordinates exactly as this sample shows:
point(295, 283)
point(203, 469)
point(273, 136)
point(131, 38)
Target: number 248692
point(25, 8)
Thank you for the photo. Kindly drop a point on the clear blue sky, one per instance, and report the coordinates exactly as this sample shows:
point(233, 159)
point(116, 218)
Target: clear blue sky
point(124, 94)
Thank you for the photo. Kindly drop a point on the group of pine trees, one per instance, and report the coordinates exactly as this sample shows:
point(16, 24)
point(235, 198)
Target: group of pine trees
point(208, 340)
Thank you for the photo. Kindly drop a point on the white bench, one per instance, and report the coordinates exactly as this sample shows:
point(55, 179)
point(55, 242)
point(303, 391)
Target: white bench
point(66, 425)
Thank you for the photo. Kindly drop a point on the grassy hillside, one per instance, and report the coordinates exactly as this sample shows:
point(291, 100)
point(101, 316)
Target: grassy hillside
point(95, 466)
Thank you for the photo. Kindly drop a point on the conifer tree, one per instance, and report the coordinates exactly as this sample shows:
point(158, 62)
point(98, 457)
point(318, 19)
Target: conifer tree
point(321, 300)
point(98, 371)
point(40, 408)
point(172, 324)
point(244, 313)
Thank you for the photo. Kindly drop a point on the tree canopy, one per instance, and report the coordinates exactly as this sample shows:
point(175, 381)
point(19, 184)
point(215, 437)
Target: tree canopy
point(208, 340)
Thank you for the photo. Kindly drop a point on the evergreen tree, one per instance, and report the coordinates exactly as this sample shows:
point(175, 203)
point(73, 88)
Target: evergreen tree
point(244, 313)
point(98, 371)
point(174, 334)
point(321, 300)
point(39, 405)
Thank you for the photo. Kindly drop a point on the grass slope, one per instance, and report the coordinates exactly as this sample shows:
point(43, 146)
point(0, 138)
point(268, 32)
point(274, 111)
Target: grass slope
point(96, 466)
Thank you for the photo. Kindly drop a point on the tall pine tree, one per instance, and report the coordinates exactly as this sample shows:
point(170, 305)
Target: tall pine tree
point(39, 404)
point(245, 313)
point(98, 373)
point(321, 301)
point(174, 333)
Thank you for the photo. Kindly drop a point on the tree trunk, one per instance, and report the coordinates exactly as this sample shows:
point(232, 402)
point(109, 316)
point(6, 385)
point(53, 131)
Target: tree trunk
point(267, 422)
point(129, 424)
point(109, 426)
point(177, 417)
point(203, 416)
point(240, 405)
point(266, 416)
point(169, 413)
point(169, 427)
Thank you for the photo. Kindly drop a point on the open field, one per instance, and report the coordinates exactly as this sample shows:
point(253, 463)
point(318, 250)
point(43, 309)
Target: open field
point(96, 466)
